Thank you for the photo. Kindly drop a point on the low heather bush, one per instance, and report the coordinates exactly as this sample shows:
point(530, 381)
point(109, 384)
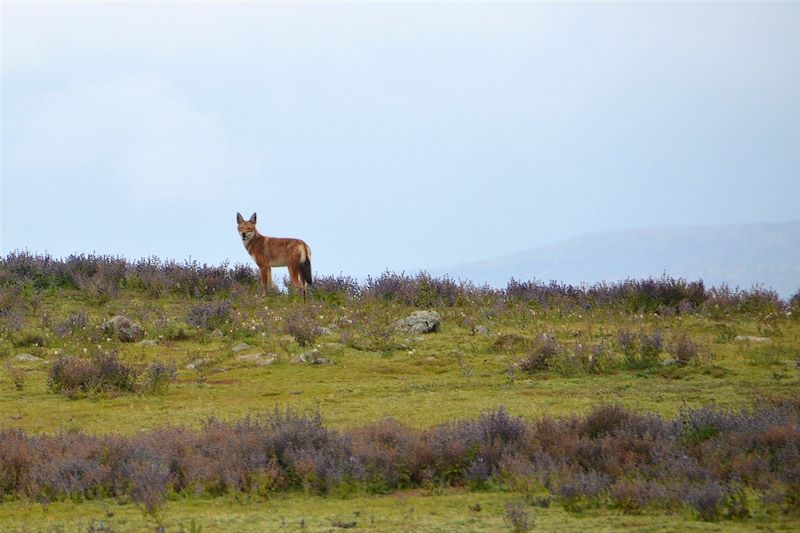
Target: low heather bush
point(302, 326)
point(11, 320)
point(12, 309)
point(541, 355)
point(73, 376)
point(756, 300)
point(794, 305)
point(339, 288)
point(706, 459)
point(633, 495)
point(518, 518)
point(627, 342)
point(16, 374)
point(707, 499)
point(683, 349)
point(104, 276)
point(393, 455)
point(210, 315)
point(584, 359)
point(104, 372)
point(423, 290)
point(645, 295)
point(651, 344)
point(98, 277)
point(72, 323)
point(114, 374)
point(158, 376)
point(577, 486)
point(605, 420)
point(640, 350)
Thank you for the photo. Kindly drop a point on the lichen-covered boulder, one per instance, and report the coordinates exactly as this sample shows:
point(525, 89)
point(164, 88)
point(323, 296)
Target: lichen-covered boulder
point(125, 329)
point(419, 322)
point(311, 357)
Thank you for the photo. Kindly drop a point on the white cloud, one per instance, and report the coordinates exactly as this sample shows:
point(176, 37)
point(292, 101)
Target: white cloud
point(135, 130)
point(36, 34)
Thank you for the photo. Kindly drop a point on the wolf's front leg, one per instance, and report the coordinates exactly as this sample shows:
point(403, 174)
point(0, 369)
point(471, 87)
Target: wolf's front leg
point(266, 278)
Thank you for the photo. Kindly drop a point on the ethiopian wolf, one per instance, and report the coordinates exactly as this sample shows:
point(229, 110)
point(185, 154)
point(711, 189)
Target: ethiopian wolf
point(270, 252)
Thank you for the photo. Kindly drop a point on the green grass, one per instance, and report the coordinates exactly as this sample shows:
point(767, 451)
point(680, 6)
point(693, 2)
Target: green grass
point(432, 379)
point(363, 386)
point(413, 511)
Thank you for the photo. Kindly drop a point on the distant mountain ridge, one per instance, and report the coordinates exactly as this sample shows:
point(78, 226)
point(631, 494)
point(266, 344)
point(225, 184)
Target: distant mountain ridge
point(740, 255)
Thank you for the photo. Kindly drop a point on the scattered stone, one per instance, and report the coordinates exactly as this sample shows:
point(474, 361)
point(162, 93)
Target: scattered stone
point(311, 357)
point(124, 328)
point(197, 363)
point(752, 338)
point(670, 362)
point(267, 360)
point(482, 330)
point(26, 357)
point(249, 358)
point(147, 343)
point(322, 330)
point(257, 359)
point(419, 322)
point(241, 346)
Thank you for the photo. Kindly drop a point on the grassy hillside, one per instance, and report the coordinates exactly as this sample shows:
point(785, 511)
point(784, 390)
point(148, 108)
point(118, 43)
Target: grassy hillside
point(587, 365)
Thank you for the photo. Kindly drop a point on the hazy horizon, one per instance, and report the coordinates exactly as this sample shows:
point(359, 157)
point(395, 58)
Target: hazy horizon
point(390, 136)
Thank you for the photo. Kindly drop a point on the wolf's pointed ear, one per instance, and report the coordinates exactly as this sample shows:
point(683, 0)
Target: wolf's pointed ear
point(239, 218)
point(253, 219)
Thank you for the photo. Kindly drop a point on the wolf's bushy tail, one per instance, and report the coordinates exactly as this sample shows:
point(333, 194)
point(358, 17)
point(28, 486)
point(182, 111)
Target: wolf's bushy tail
point(305, 267)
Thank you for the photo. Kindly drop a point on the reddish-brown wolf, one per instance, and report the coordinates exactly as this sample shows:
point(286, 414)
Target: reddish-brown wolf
point(270, 252)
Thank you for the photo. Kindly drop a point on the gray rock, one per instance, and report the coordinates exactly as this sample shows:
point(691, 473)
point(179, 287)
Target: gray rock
point(147, 343)
point(670, 362)
point(752, 338)
point(482, 330)
point(249, 358)
point(419, 322)
point(217, 333)
point(125, 329)
point(267, 360)
point(197, 363)
point(311, 357)
point(26, 357)
point(322, 330)
point(241, 346)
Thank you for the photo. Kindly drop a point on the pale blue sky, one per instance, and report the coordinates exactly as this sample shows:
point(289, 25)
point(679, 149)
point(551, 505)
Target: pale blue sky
point(398, 136)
